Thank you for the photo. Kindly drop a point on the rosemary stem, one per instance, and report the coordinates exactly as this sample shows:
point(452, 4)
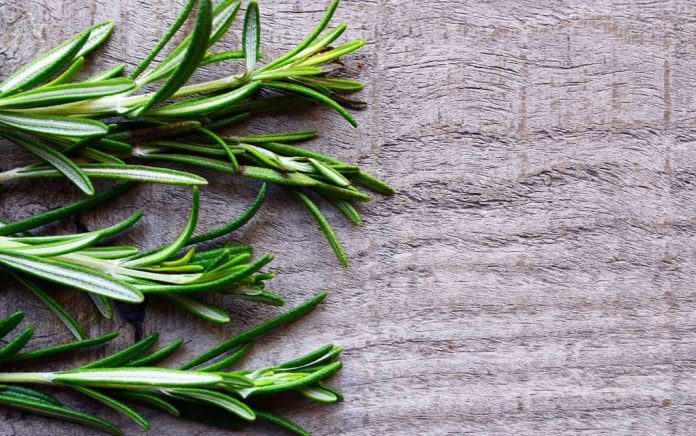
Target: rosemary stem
point(25, 377)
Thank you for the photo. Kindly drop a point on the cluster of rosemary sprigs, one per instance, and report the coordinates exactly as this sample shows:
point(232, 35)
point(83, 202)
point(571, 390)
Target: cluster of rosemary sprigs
point(105, 127)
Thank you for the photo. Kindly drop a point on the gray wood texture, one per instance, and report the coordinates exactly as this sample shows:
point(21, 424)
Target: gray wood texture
point(534, 275)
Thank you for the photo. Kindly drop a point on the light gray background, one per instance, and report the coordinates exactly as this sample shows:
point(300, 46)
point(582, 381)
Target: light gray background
point(535, 272)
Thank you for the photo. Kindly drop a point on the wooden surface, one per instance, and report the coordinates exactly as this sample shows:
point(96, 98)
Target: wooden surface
point(534, 275)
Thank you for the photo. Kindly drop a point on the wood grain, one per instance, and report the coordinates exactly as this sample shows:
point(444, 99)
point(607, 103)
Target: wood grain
point(534, 275)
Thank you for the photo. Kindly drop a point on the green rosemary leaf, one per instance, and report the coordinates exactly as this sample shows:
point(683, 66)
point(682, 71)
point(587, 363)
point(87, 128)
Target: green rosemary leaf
point(198, 307)
point(345, 85)
point(298, 135)
point(149, 399)
point(114, 252)
point(334, 176)
point(218, 399)
point(310, 379)
point(372, 183)
point(98, 33)
point(125, 355)
point(30, 394)
point(251, 36)
point(198, 107)
point(111, 145)
point(71, 275)
point(318, 45)
point(44, 65)
point(160, 131)
point(325, 227)
point(221, 142)
point(57, 160)
point(114, 404)
point(348, 210)
point(16, 344)
point(223, 16)
point(308, 40)
point(319, 394)
point(57, 248)
point(52, 125)
point(237, 222)
point(227, 361)
point(173, 28)
point(281, 421)
point(213, 164)
point(58, 412)
point(288, 73)
point(56, 349)
point(169, 250)
point(67, 93)
point(59, 311)
point(223, 56)
point(293, 150)
point(189, 62)
point(135, 173)
point(107, 74)
point(67, 75)
point(101, 157)
point(273, 176)
point(157, 355)
point(335, 192)
point(61, 212)
point(10, 323)
point(103, 305)
point(309, 358)
point(135, 378)
point(303, 90)
point(281, 320)
point(330, 55)
point(263, 297)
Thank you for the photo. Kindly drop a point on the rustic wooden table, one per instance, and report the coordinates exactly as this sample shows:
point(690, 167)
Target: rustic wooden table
point(534, 273)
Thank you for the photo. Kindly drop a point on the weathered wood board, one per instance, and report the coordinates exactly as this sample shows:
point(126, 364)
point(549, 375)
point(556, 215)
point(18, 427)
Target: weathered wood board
point(534, 275)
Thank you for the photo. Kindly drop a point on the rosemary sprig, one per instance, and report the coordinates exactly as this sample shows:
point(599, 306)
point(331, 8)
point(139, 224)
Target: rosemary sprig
point(203, 385)
point(56, 121)
point(126, 274)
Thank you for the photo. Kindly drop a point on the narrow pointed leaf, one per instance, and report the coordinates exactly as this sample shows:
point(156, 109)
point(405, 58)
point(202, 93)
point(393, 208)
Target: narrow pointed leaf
point(207, 105)
point(236, 223)
point(325, 227)
point(58, 412)
point(59, 311)
point(127, 354)
point(10, 323)
point(173, 28)
point(279, 321)
point(57, 349)
point(158, 355)
point(30, 394)
point(16, 344)
point(58, 161)
point(251, 37)
point(149, 399)
point(115, 404)
point(98, 33)
point(44, 65)
point(189, 62)
point(67, 93)
point(227, 361)
point(71, 275)
point(103, 305)
point(281, 422)
point(107, 74)
point(308, 92)
point(136, 173)
point(217, 399)
point(67, 75)
point(171, 249)
point(319, 394)
point(198, 307)
point(52, 125)
point(62, 212)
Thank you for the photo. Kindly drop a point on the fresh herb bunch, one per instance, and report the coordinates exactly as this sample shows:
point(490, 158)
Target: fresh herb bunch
point(43, 111)
point(124, 273)
point(200, 389)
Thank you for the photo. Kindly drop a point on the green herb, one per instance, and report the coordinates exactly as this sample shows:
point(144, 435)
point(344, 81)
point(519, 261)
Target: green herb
point(126, 274)
point(132, 377)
